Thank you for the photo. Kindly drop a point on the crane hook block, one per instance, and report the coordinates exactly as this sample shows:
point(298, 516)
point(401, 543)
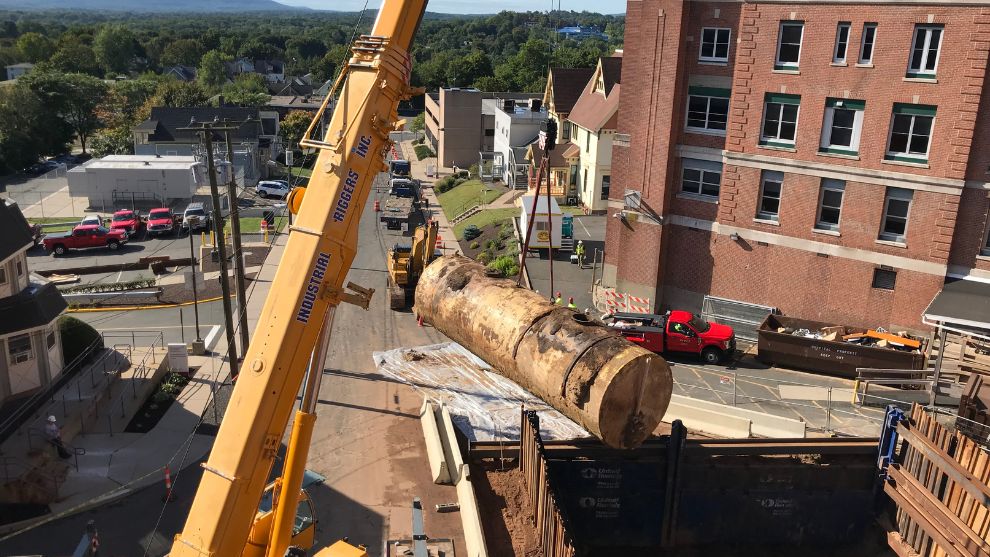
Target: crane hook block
point(294, 199)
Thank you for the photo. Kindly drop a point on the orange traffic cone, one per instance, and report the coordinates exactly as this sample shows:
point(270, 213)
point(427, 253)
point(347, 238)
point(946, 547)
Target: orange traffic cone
point(168, 484)
point(378, 206)
point(419, 320)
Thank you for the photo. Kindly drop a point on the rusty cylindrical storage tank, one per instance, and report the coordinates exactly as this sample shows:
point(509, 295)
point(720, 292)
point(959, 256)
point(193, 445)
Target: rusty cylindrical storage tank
point(615, 389)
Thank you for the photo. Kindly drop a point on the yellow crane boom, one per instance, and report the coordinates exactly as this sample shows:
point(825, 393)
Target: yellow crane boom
point(309, 282)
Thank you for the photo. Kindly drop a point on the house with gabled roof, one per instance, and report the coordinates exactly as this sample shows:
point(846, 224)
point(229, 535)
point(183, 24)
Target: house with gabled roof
point(592, 124)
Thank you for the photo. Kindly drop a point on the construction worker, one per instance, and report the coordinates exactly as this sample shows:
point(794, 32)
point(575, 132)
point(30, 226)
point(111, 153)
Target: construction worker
point(558, 300)
point(54, 435)
point(570, 303)
point(579, 251)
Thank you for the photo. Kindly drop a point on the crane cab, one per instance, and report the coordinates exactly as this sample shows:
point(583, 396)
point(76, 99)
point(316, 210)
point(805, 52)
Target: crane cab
point(303, 528)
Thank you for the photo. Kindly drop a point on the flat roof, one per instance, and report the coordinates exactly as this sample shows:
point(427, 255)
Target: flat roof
point(541, 205)
point(962, 302)
point(139, 161)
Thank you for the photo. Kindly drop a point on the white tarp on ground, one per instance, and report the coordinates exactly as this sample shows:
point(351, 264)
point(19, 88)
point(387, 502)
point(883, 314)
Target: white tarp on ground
point(483, 405)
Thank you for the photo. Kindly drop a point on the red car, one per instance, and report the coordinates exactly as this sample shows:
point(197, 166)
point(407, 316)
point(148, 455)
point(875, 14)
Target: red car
point(676, 331)
point(163, 221)
point(84, 236)
point(128, 221)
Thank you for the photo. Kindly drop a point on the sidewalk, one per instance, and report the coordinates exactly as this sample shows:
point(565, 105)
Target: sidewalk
point(117, 464)
point(418, 172)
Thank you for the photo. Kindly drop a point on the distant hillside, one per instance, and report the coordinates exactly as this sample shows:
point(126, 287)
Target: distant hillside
point(144, 6)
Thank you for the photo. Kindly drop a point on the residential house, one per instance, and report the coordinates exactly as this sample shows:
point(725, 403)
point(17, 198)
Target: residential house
point(564, 87)
point(828, 162)
point(460, 123)
point(272, 70)
point(256, 139)
point(30, 341)
point(294, 86)
point(579, 33)
point(17, 70)
point(182, 73)
point(592, 123)
point(517, 126)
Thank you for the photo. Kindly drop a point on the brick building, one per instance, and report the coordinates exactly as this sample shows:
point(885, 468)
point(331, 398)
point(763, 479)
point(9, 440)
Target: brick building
point(829, 159)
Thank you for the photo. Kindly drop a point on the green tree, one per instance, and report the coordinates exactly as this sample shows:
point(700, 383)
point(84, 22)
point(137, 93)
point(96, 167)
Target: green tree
point(171, 92)
point(211, 73)
point(75, 58)
point(247, 90)
point(8, 30)
point(184, 51)
point(21, 131)
point(120, 106)
point(115, 48)
point(328, 66)
point(73, 97)
point(113, 141)
point(305, 47)
point(466, 70)
point(35, 47)
point(258, 50)
point(418, 123)
point(293, 127)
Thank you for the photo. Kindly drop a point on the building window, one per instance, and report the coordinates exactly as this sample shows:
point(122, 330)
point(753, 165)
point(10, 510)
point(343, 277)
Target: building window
point(896, 206)
point(19, 349)
point(3, 275)
point(866, 45)
point(780, 114)
point(924, 50)
point(708, 109)
point(606, 187)
point(910, 132)
point(20, 268)
point(842, 126)
point(830, 204)
point(986, 244)
point(714, 44)
point(841, 43)
point(50, 339)
point(884, 279)
point(771, 186)
point(789, 45)
point(587, 141)
point(584, 182)
point(490, 132)
point(565, 131)
point(700, 177)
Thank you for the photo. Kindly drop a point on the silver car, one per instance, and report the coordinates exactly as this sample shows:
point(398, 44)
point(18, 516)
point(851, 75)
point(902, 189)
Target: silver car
point(195, 217)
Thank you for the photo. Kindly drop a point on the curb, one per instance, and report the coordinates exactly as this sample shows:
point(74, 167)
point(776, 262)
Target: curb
point(137, 308)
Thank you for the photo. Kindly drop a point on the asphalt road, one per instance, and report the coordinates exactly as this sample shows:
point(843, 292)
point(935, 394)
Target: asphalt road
point(176, 324)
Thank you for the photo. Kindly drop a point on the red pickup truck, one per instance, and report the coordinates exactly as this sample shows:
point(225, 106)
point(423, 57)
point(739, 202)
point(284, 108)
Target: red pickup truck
point(163, 221)
point(676, 331)
point(128, 221)
point(84, 236)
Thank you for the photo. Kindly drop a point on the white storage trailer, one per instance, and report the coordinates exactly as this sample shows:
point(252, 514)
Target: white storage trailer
point(547, 226)
point(142, 178)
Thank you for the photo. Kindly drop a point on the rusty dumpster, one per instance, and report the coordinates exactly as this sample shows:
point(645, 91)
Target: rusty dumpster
point(832, 357)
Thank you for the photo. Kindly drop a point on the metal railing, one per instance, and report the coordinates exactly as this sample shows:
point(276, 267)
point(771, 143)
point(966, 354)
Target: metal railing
point(143, 370)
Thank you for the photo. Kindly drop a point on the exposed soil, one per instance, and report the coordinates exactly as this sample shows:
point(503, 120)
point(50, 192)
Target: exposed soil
point(505, 509)
point(151, 412)
point(489, 232)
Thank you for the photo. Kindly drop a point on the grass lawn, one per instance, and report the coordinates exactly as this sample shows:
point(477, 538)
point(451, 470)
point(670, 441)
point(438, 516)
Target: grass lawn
point(304, 172)
point(467, 194)
point(572, 210)
point(484, 218)
point(54, 229)
point(253, 224)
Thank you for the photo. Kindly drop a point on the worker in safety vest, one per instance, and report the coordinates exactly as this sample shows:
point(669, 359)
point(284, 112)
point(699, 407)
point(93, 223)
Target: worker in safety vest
point(579, 251)
point(558, 300)
point(570, 303)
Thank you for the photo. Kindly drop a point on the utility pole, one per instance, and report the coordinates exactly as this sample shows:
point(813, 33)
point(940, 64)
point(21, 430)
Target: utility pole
point(235, 230)
point(205, 132)
point(198, 346)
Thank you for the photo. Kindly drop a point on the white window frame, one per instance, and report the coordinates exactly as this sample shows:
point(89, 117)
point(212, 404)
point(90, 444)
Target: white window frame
point(728, 44)
point(830, 184)
point(863, 61)
point(895, 194)
point(842, 26)
point(770, 176)
point(908, 154)
point(20, 356)
point(778, 64)
point(703, 167)
point(925, 50)
point(605, 192)
point(825, 143)
point(778, 139)
point(708, 111)
point(3, 274)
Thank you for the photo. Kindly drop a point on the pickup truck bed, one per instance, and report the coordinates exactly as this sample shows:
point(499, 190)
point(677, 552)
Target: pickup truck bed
point(396, 212)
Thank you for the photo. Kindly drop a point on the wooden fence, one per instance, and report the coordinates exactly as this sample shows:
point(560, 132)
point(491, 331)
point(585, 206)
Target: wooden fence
point(550, 525)
point(939, 483)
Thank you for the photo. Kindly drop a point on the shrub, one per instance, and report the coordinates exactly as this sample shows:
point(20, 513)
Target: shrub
point(471, 232)
point(473, 170)
point(423, 152)
point(483, 258)
point(77, 336)
point(446, 184)
point(475, 245)
point(506, 265)
point(494, 245)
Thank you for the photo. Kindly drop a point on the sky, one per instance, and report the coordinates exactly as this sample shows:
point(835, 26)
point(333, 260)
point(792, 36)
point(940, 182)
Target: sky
point(473, 6)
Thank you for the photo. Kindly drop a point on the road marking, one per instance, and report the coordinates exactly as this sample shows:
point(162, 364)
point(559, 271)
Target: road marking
point(161, 327)
point(584, 227)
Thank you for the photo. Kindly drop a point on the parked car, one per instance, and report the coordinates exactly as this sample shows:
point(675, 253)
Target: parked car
point(195, 217)
point(84, 236)
point(92, 220)
point(68, 160)
point(43, 167)
point(272, 188)
point(676, 331)
point(127, 220)
point(163, 221)
point(403, 187)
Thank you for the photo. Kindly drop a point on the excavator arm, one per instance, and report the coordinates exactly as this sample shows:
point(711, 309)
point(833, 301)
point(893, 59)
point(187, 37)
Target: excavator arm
point(308, 284)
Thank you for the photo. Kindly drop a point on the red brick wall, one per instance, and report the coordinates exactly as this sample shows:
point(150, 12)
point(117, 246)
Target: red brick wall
point(971, 229)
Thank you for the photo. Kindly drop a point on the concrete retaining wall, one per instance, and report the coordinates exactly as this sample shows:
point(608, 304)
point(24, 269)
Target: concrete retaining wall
point(762, 424)
point(434, 445)
point(708, 421)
